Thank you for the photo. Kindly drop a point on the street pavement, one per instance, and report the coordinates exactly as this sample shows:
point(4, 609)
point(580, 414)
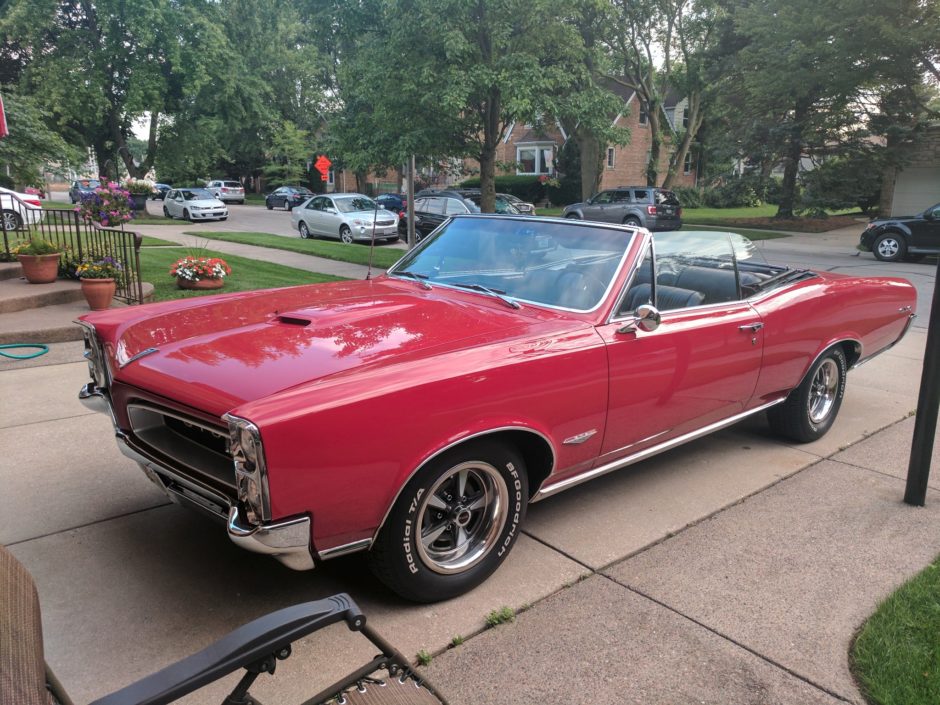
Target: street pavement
point(734, 569)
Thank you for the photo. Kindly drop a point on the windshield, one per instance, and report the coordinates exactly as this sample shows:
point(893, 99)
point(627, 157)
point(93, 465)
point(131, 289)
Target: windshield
point(231, 184)
point(354, 203)
point(561, 265)
point(197, 194)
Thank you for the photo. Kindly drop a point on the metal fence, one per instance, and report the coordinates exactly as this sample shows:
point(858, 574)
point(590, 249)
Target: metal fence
point(77, 240)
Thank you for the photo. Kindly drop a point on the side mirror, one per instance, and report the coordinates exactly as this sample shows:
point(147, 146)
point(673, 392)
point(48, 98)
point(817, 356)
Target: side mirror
point(330, 210)
point(646, 317)
point(589, 201)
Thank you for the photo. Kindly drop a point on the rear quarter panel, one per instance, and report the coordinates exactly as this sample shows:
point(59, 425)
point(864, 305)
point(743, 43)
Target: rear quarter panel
point(803, 320)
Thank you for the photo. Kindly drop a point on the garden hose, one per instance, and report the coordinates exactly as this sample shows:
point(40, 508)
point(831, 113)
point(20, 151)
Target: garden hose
point(40, 350)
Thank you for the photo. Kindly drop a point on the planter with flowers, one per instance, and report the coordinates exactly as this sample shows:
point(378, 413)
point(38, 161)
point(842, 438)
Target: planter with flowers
point(39, 259)
point(139, 191)
point(108, 205)
point(98, 285)
point(195, 272)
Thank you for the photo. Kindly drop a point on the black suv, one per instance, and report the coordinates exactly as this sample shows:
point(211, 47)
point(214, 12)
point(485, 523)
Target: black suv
point(893, 239)
point(642, 206)
point(82, 187)
point(433, 207)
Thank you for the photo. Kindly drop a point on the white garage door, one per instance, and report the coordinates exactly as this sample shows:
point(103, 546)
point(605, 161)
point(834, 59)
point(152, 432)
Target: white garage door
point(916, 188)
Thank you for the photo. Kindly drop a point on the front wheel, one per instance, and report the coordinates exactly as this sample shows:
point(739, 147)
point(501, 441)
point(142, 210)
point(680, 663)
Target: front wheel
point(12, 220)
point(267, 204)
point(889, 248)
point(304, 230)
point(345, 234)
point(186, 215)
point(810, 410)
point(573, 216)
point(166, 213)
point(453, 524)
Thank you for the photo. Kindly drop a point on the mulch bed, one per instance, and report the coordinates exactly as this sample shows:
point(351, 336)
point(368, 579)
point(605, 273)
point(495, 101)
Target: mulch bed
point(802, 225)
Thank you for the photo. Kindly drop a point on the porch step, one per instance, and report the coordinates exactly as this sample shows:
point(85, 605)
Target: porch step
point(10, 270)
point(20, 295)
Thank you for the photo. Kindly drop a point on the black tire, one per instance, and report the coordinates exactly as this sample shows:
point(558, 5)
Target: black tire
point(288, 206)
point(241, 203)
point(573, 216)
point(186, 215)
point(304, 230)
point(166, 213)
point(267, 204)
point(11, 220)
point(345, 234)
point(889, 247)
point(465, 544)
point(810, 409)
point(225, 218)
point(632, 221)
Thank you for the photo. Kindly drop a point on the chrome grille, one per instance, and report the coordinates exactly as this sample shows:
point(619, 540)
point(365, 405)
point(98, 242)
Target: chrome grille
point(385, 222)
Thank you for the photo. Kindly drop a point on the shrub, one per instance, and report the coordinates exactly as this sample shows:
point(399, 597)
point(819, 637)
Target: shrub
point(842, 182)
point(689, 196)
point(736, 193)
point(104, 268)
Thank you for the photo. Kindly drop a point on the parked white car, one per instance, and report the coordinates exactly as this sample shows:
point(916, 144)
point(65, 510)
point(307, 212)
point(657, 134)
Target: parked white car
point(227, 191)
point(345, 216)
point(193, 204)
point(19, 209)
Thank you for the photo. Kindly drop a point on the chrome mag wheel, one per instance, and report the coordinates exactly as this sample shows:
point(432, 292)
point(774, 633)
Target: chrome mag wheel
point(823, 391)
point(462, 517)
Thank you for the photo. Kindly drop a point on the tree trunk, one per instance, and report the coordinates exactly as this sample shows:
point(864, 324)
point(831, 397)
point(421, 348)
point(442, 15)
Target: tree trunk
point(677, 160)
point(656, 140)
point(490, 112)
point(792, 163)
point(105, 158)
point(591, 163)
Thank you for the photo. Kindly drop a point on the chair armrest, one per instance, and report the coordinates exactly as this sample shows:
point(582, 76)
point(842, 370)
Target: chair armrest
point(245, 645)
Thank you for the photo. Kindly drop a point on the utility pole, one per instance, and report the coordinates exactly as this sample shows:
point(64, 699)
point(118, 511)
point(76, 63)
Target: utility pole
point(411, 203)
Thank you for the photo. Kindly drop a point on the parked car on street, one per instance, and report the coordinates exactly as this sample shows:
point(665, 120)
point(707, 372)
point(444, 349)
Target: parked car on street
point(906, 236)
point(532, 354)
point(350, 217)
point(227, 191)
point(643, 206)
point(193, 204)
point(503, 205)
point(19, 209)
point(432, 209)
point(160, 191)
point(393, 202)
point(523, 207)
point(82, 187)
point(287, 197)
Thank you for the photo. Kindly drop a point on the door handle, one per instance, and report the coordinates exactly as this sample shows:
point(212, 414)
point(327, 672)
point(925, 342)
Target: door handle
point(751, 327)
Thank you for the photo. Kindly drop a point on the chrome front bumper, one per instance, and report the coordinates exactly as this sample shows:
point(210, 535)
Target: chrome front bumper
point(287, 540)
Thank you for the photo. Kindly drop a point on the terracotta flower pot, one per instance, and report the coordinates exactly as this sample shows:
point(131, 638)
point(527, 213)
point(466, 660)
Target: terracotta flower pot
point(200, 283)
point(98, 293)
point(40, 269)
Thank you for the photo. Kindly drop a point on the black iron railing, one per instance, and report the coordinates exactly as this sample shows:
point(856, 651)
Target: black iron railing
point(78, 241)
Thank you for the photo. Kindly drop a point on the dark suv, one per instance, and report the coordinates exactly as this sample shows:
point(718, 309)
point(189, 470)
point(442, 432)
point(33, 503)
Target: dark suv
point(82, 187)
point(906, 236)
point(642, 206)
point(434, 207)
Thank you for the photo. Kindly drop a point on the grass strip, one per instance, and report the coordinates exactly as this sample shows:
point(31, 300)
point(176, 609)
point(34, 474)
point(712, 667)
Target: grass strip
point(247, 274)
point(355, 254)
point(150, 241)
point(896, 657)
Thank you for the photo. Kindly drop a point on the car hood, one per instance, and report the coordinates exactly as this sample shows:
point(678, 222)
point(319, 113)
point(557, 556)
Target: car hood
point(204, 203)
point(235, 348)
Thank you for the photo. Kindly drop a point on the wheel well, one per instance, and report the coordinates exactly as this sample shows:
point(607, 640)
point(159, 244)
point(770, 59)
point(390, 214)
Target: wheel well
point(536, 452)
point(852, 350)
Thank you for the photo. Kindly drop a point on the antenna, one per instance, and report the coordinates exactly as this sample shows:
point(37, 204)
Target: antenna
point(375, 215)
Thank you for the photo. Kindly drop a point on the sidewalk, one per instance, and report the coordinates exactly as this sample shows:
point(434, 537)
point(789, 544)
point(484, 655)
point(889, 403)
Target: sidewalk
point(732, 570)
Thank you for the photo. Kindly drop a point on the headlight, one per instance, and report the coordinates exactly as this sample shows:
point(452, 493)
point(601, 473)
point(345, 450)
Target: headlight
point(251, 475)
point(94, 354)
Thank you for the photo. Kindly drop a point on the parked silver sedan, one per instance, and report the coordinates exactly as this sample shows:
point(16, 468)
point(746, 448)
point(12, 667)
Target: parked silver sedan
point(346, 216)
point(193, 204)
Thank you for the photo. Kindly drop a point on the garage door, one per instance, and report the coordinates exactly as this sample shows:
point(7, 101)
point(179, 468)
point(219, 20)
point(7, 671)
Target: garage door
point(916, 188)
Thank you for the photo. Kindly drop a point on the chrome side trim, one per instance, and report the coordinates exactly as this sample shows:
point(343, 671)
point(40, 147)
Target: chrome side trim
point(907, 327)
point(345, 549)
point(580, 438)
point(649, 452)
point(142, 353)
point(456, 443)
point(287, 540)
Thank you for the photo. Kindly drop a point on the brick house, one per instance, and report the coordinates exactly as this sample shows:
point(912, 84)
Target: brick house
point(533, 148)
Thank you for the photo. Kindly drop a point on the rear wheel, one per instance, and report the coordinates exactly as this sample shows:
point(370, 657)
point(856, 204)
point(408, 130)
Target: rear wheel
point(573, 216)
point(810, 410)
point(889, 247)
point(453, 524)
point(166, 213)
point(345, 234)
point(12, 220)
point(632, 222)
point(304, 231)
point(288, 206)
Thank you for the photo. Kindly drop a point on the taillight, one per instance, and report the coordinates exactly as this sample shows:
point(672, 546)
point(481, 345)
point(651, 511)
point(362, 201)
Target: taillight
point(224, 190)
point(651, 210)
point(33, 202)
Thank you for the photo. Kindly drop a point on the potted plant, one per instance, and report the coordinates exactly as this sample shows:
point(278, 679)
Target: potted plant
point(140, 190)
point(39, 259)
point(97, 277)
point(199, 272)
point(108, 205)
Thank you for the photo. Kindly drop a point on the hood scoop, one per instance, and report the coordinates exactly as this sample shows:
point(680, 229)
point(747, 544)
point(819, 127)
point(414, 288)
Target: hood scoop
point(293, 321)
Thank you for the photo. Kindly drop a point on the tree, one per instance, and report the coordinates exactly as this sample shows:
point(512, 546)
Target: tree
point(31, 145)
point(287, 154)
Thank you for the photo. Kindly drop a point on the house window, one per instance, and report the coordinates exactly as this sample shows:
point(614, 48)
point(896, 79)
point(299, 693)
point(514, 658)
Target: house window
point(685, 119)
point(687, 163)
point(644, 117)
point(331, 178)
point(536, 159)
point(610, 157)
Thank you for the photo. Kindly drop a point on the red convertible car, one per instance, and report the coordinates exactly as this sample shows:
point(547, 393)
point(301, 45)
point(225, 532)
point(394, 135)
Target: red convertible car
point(528, 354)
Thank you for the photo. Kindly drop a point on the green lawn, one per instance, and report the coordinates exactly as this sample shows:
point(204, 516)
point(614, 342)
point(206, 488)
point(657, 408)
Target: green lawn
point(247, 274)
point(896, 657)
point(383, 258)
point(254, 199)
point(149, 241)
